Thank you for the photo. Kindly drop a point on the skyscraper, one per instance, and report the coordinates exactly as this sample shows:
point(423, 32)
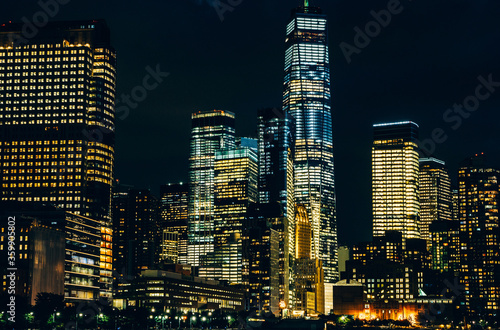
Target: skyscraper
point(309, 276)
point(479, 200)
point(276, 185)
point(211, 131)
point(57, 95)
point(445, 246)
point(435, 195)
point(235, 177)
point(307, 98)
point(174, 215)
point(395, 171)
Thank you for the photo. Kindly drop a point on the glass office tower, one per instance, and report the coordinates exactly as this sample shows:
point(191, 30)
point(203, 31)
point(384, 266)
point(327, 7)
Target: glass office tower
point(235, 177)
point(434, 195)
point(307, 98)
point(276, 144)
point(57, 122)
point(211, 131)
point(479, 200)
point(395, 174)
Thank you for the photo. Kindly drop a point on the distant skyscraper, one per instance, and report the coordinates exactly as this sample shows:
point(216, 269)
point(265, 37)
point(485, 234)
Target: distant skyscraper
point(344, 256)
point(434, 195)
point(235, 177)
point(211, 131)
point(307, 98)
point(454, 199)
point(395, 171)
point(479, 203)
point(57, 121)
point(120, 212)
point(261, 252)
point(445, 245)
point(309, 276)
point(174, 215)
point(276, 186)
point(142, 231)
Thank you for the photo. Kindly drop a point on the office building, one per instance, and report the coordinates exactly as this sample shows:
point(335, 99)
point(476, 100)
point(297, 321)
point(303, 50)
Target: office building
point(164, 290)
point(142, 231)
point(235, 177)
point(174, 215)
point(454, 197)
point(445, 246)
point(211, 131)
point(385, 279)
point(387, 247)
point(57, 100)
point(479, 200)
point(344, 256)
point(307, 97)
point(169, 247)
point(120, 216)
point(395, 176)
point(309, 277)
point(276, 185)
point(261, 251)
point(435, 195)
point(48, 238)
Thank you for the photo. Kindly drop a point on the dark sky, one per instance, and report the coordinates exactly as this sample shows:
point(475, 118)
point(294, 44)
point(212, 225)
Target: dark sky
point(427, 58)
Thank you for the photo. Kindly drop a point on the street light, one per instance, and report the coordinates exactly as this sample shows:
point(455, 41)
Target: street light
point(78, 315)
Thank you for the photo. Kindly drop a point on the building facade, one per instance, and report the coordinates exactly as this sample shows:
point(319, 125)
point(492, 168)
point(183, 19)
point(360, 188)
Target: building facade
point(395, 179)
point(435, 195)
point(57, 99)
point(66, 243)
point(479, 200)
point(307, 97)
point(276, 185)
point(164, 290)
point(235, 177)
point(174, 215)
point(445, 246)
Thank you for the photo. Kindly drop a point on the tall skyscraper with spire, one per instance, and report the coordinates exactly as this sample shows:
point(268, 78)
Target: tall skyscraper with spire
point(307, 98)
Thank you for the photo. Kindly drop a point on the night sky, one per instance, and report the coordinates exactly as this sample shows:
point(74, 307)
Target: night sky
point(427, 59)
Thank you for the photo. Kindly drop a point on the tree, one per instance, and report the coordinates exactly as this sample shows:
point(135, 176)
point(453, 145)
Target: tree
point(46, 305)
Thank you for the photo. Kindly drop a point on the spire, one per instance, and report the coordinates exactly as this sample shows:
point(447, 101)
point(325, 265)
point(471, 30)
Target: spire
point(306, 3)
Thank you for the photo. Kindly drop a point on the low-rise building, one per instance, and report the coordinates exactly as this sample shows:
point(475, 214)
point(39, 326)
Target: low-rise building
point(163, 290)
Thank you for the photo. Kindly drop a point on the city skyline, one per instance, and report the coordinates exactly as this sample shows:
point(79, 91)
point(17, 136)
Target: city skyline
point(247, 200)
point(407, 72)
